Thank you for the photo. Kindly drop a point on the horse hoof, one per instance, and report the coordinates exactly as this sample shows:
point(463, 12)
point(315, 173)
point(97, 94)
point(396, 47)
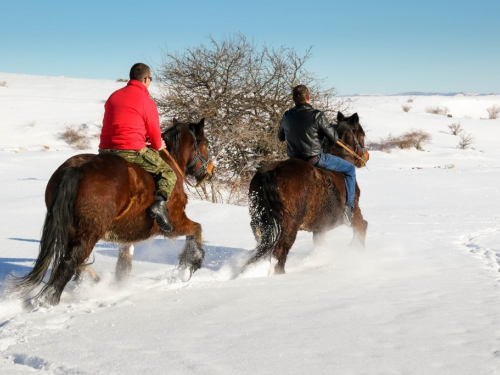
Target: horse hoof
point(46, 300)
point(182, 273)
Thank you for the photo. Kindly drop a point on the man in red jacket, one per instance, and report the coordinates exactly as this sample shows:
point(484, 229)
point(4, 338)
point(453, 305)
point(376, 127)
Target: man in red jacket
point(130, 120)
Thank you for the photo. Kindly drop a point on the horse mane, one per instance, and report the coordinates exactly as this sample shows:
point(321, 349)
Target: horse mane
point(347, 125)
point(172, 136)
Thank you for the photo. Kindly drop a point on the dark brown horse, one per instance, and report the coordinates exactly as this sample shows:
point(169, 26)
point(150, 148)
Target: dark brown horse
point(92, 197)
point(292, 195)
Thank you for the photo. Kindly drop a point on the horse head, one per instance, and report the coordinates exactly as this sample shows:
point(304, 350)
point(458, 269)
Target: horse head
point(187, 144)
point(351, 133)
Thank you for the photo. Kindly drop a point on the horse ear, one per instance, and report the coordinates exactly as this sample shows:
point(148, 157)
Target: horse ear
point(355, 118)
point(198, 128)
point(340, 117)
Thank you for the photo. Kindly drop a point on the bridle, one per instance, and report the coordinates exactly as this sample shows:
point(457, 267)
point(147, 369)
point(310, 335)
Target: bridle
point(198, 156)
point(357, 143)
point(353, 152)
point(208, 176)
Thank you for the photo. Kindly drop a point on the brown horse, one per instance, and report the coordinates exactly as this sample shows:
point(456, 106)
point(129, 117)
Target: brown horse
point(92, 197)
point(292, 195)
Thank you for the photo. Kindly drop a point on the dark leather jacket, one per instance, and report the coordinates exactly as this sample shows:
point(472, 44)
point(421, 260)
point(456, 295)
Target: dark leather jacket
point(304, 129)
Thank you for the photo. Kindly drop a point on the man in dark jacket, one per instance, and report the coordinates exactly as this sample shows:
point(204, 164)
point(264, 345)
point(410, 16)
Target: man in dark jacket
point(304, 129)
point(130, 119)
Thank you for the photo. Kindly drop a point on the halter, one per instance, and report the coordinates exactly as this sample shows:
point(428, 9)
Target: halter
point(357, 143)
point(353, 152)
point(198, 156)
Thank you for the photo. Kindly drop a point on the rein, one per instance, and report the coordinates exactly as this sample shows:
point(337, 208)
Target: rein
point(177, 168)
point(198, 155)
point(348, 149)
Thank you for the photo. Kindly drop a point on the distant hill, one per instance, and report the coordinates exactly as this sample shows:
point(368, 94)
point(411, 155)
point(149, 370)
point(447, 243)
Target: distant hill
point(420, 93)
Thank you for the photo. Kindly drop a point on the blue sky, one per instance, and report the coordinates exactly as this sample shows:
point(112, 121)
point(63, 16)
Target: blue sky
point(360, 46)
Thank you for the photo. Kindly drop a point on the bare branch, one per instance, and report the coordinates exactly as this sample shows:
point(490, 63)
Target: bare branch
point(242, 91)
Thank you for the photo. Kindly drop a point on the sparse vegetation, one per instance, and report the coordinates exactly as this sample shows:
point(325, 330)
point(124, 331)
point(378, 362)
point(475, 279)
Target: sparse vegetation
point(493, 112)
point(465, 141)
point(242, 91)
point(3, 84)
point(122, 80)
point(437, 110)
point(406, 108)
point(455, 128)
point(383, 145)
point(76, 137)
point(410, 100)
point(414, 138)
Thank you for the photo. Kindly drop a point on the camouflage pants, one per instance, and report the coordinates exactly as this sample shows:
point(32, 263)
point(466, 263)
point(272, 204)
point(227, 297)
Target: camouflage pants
point(151, 161)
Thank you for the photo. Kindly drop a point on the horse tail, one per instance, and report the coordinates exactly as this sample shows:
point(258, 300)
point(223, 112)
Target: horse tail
point(58, 228)
point(266, 209)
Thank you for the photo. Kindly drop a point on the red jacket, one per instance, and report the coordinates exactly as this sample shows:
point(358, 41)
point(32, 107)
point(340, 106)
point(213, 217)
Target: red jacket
point(130, 116)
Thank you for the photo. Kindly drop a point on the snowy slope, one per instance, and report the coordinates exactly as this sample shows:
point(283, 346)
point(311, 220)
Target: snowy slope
point(422, 298)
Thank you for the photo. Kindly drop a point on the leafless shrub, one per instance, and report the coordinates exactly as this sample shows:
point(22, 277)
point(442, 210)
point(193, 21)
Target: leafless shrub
point(465, 141)
point(236, 189)
point(406, 108)
point(76, 137)
point(410, 100)
point(437, 110)
point(3, 84)
point(493, 112)
point(413, 138)
point(383, 145)
point(242, 92)
point(122, 80)
point(455, 128)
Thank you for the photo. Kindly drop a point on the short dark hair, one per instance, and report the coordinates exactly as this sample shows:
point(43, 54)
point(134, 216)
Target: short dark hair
point(300, 94)
point(139, 71)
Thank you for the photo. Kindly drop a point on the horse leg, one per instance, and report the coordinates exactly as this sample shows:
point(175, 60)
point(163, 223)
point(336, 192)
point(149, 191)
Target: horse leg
point(285, 242)
point(190, 259)
point(359, 227)
point(318, 239)
point(86, 269)
point(192, 254)
point(63, 272)
point(124, 263)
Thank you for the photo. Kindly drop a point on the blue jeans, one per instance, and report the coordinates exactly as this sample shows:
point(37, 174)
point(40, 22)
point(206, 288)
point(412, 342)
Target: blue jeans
point(336, 164)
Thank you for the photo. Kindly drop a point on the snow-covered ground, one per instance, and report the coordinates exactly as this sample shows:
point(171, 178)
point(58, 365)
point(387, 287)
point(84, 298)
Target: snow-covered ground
point(422, 298)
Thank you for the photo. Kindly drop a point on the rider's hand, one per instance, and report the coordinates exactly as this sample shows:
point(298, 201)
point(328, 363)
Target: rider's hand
point(163, 145)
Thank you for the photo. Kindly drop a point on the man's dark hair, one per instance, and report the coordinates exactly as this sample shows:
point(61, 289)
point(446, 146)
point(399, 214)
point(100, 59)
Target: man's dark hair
point(300, 94)
point(139, 71)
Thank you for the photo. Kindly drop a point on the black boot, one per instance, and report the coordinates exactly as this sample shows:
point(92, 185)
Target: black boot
point(158, 211)
point(348, 210)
